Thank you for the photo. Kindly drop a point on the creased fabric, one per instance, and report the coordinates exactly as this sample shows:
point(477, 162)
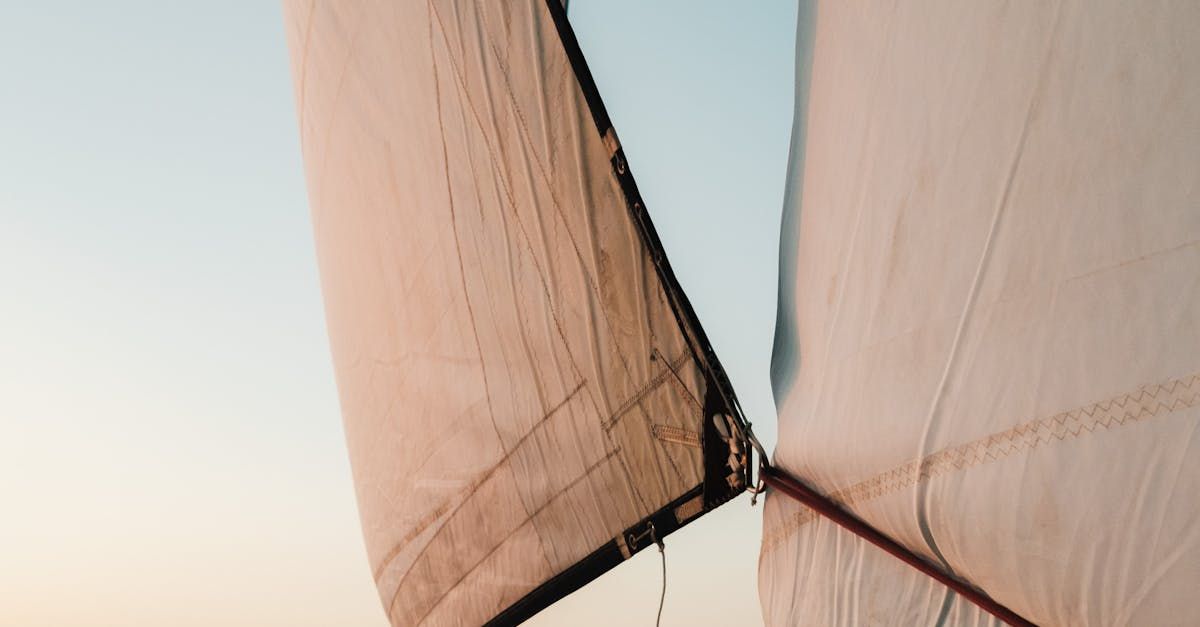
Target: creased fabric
point(989, 333)
point(504, 350)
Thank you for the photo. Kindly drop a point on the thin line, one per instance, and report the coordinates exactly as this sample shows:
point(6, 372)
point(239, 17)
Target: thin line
point(662, 597)
point(1151, 401)
point(512, 204)
point(462, 273)
point(695, 401)
point(527, 142)
point(470, 491)
point(652, 384)
point(528, 519)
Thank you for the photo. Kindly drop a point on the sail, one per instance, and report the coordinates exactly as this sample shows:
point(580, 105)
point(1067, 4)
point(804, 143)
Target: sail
point(988, 344)
point(527, 396)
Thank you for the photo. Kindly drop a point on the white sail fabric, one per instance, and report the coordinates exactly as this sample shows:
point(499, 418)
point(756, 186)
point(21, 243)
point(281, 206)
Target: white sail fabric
point(989, 334)
point(516, 389)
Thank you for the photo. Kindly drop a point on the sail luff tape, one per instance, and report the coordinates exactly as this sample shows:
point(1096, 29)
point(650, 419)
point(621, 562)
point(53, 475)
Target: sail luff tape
point(792, 487)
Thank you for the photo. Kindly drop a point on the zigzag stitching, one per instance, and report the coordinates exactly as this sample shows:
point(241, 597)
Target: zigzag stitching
point(646, 388)
point(1020, 438)
point(668, 433)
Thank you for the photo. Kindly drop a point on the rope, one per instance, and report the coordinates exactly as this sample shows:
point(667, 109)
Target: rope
point(663, 596)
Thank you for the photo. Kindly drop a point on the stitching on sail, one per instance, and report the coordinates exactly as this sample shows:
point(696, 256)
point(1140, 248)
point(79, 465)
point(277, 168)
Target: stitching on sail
point(472, 488)
point(462, 273)
point(469, 491)
point(649, 386)
point(528, 520)
point(668, 433)
point(527, 142)
point(464, 96)
point(1148, 402)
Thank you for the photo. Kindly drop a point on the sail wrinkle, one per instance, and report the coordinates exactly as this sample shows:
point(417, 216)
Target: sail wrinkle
point(1152, 401)
point(498, 308)
point(993, 280)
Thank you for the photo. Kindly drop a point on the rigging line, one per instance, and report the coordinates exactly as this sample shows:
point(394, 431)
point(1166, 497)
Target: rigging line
point(662, 552)
point(634, 540)
point(656, 354)
point(824, 506)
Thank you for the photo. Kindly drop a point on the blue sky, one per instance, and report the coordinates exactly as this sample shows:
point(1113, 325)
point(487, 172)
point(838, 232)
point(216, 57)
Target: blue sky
point(170, 445)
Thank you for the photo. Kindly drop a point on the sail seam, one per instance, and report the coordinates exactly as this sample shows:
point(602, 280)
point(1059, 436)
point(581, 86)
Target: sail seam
point(462, 272)
point(465, 97)
point(1148, 402)
point(527, 142)
point(463, 277)
point(693, 335)
point(472, 487)
point(503, 183)
point(649, 386)
point(528, 520)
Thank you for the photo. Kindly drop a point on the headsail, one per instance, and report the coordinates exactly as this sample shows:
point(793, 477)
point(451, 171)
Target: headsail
point(990, 313)
point(528, 398)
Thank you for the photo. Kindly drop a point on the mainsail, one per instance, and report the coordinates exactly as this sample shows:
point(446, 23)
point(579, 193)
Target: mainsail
point(528, 398)
point(988, 345)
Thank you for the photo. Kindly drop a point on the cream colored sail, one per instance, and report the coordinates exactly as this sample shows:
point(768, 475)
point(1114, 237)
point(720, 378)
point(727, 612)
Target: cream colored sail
point(524, 388)
point(989, 334)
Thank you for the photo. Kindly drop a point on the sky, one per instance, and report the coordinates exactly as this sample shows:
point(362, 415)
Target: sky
point(171, 450)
